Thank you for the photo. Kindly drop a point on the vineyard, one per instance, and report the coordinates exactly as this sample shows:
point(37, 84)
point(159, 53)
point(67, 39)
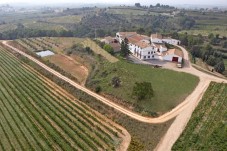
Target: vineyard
point(207, 129)
point(36, 114)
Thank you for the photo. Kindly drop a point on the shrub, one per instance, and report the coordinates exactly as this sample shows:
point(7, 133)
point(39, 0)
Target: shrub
point(143, 90)
point(98, 89)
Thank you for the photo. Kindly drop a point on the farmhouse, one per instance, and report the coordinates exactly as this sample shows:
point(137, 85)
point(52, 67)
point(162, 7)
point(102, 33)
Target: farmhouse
point(153, 47)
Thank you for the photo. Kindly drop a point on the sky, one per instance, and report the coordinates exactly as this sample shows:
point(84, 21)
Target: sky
point(143, 2)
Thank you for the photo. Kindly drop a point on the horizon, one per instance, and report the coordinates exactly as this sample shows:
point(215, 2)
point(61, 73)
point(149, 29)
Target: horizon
point(124, 2)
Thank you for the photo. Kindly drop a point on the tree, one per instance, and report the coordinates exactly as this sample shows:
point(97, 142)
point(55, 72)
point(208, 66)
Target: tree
point(158, 5)
point(211, 60)
point(124, 48)
point(143, 90)
point(109, 49)
point(116, 82)
point(140, 30)
point(211, 36)
point(225, 44)
point(220, 67)
point(137, 5)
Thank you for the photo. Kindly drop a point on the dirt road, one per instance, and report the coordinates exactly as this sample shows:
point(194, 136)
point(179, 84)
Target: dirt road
point(183, 111)
point(182, 119)
point(161, 119)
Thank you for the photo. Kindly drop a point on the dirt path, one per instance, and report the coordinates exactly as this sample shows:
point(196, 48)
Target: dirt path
point(183, 111)
point(184, 116)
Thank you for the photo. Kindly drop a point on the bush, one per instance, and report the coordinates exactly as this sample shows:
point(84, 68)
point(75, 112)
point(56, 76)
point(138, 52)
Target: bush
point(98, 89)
point(143, 90)
point(116, 82)
point(220, 67)
point(109, 49)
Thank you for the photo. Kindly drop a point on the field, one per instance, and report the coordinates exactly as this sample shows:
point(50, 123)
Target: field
point(98, 50)
point(65, 19)
point(36, 114)
point(208, 23)
point(170, 88)
point(71, 66)
point(207, 129)
point(169, 91)
point(33, 24)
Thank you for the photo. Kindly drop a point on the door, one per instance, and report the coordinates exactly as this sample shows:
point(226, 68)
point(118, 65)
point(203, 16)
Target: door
point(175, 59)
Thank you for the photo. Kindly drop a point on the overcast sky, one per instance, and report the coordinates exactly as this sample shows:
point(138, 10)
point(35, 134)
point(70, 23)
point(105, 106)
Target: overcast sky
point(143, 2)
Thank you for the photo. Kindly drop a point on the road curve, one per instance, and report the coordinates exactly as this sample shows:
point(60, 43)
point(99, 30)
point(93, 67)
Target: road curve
point(182, 119)
point(164, 118)
point(182, 112)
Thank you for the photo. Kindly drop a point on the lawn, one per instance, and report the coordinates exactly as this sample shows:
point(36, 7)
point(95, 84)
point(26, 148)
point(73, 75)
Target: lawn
point(207, 129)
point(170, 88)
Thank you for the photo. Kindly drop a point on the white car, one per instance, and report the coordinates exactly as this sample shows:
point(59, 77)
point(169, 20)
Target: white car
point(179, 65)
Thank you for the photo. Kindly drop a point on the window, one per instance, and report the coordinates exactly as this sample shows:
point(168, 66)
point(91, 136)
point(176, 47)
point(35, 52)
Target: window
point(149, 52)
point(144, 57)
point(149, 57)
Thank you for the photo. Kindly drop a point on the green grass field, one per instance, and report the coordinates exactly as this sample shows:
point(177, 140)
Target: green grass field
point(65, 19)
point(170, 88)
point(207, 129)
point(36, 114)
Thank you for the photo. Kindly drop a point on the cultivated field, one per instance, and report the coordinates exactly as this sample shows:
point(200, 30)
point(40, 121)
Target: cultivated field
point(36, 114)
point(71, 66)
point(207, 129)
point(65, 19)
point(170, 87)
point(208, 23)
point(98, 50)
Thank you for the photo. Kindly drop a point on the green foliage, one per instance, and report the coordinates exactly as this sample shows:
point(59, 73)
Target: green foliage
point(109, 49)
point(206, 129)
point(98, 89)
point(220, 67)
point(211, 36)
point(143, 90)
point(48, 119)
point(225, 44)
point(116, 82)
point(140, 30)
point(124, 48)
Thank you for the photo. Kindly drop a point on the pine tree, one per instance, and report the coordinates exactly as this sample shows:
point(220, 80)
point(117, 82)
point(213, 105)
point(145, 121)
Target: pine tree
point(124, 48)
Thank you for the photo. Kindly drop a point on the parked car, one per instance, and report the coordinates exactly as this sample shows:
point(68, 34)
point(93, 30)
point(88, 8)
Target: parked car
point(179, 65)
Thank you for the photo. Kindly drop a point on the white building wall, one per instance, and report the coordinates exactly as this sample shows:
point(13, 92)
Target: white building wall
point(171, 41)
point(156, 40)
point(170, 58)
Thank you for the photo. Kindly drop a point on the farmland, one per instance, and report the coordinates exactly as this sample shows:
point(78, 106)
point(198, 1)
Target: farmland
point(206, 129)
point(207, 23)
point(102, 70)
point(36, 114)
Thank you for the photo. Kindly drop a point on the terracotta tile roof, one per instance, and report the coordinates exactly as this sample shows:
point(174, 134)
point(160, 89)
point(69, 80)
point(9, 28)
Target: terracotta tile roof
point(143, 44)
point(136, 38)
point(159, 45)
point(175, 52)
point(156, 36)
point(115, 46)
point(109, 38)
point(127, 34)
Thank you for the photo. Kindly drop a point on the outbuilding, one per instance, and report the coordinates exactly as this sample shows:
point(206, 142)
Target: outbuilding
point(173, 55)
